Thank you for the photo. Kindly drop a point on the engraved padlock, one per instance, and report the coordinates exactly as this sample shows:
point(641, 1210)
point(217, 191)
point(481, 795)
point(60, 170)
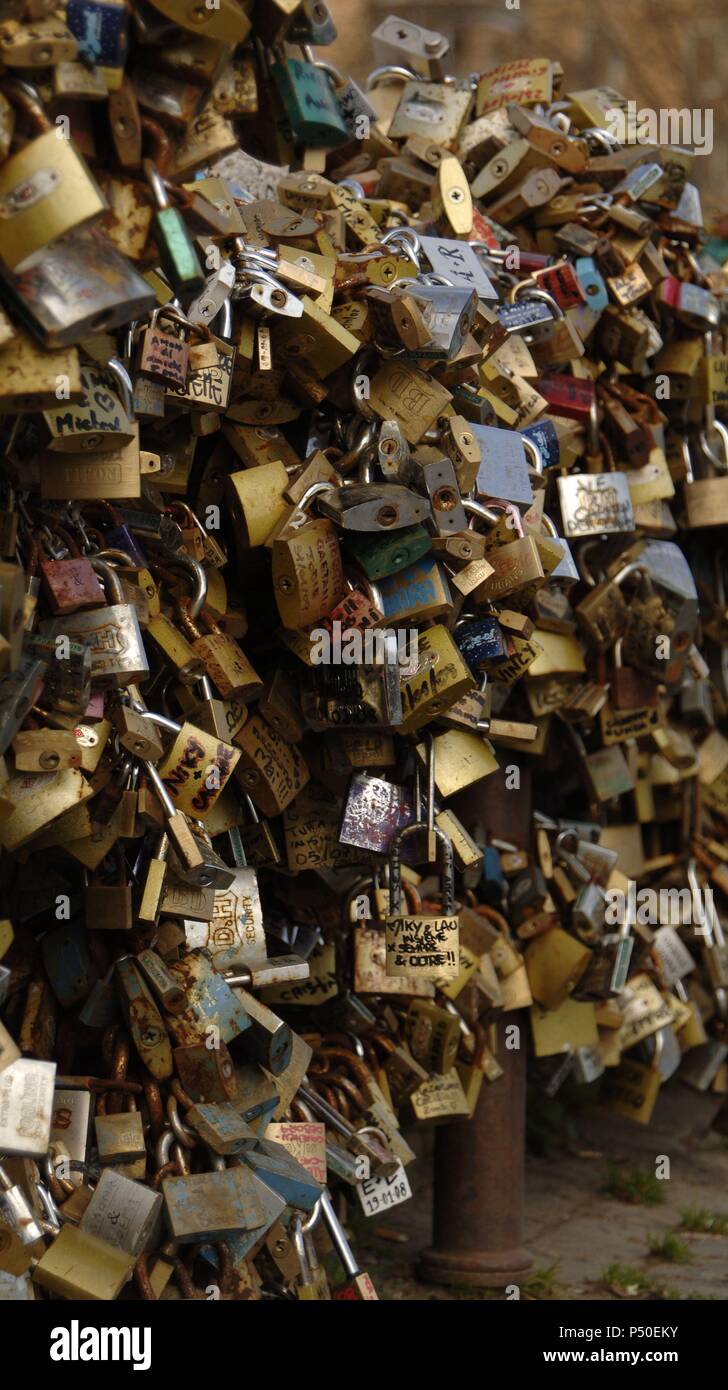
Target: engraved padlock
point(604, 612)
point(112, 634)
point(163, 349)
point(308, 571)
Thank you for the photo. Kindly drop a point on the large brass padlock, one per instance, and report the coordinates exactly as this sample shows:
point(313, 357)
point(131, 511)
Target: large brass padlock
point(308, 573)
point(45, 190)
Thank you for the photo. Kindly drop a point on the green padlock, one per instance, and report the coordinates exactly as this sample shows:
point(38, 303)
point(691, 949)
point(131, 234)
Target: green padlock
point(380, 555)
point(177, 255)
point(309, 103)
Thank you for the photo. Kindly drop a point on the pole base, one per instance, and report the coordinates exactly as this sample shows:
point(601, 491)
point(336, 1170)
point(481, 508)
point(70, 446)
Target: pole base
point(476, 1269)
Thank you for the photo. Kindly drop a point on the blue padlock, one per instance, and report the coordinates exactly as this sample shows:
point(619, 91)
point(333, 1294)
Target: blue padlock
point(281, 1171)
point(480, 641)
point(101, 28)
point(68, 963)
point(595, 290)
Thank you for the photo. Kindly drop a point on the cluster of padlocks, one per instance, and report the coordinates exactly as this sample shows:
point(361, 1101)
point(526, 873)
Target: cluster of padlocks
point(361, 458)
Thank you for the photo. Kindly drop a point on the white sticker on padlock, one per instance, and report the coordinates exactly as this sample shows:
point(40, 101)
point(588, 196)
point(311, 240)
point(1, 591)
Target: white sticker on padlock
point(675, 959)
point(459, 262)
point(423, 110)
point(379, 1194)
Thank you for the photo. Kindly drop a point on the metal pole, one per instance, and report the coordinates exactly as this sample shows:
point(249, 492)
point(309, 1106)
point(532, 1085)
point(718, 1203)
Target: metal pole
point(478, 1195)
point(479, 1184)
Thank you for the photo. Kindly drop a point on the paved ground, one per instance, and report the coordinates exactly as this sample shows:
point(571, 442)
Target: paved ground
point(573, 1230)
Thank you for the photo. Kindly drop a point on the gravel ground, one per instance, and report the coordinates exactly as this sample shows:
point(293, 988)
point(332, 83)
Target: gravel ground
point(574, 1230)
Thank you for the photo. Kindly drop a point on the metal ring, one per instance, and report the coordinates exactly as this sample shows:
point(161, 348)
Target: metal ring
point(391, 72)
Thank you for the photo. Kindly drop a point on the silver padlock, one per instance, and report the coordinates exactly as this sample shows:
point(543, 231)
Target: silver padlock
point(503, 469)
point(113, 634)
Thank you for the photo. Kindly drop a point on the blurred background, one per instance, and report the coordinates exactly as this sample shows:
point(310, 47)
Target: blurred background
point(661, 53)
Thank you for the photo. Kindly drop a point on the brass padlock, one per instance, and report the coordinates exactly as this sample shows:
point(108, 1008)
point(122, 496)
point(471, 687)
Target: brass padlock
point(46, 189)
point(225, 662)
point(308, 573)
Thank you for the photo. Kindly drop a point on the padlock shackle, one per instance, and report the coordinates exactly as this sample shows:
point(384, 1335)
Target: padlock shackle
point(391, 72)
point(405, 240)
point(635, 567)
point(331, 71)
point(181, 560)
point(477, 509)
point(311, 1221)
point(338, 1237)
point(603, 138)
point(720, 464)
point(115, 557)
point(161, 791)
point(160, 720)
point(430, 783)
point(314, 490)
point(582, 550)
point(535, 458)
point(296, 1228)
point(110, 578)
point(125, 383)
point(395, 868)
point(545, 298)
point(354, 187)
point(592, 432)
point(224, 321)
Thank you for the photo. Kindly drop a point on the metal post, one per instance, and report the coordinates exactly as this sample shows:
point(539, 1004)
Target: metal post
point(479, 1180)
point(479, 1164)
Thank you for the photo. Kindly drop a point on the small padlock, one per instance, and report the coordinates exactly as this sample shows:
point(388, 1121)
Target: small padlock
point(177, 254)
point(163, 352)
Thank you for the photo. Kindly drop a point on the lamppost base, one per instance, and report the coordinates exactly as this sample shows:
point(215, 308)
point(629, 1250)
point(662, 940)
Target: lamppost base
point(475, 1269)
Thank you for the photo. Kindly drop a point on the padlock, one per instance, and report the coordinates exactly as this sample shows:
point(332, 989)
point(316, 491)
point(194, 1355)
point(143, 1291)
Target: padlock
point(657, 641)
point(312, 1282)
point(225, 662)
point(163, 352)
point(366, 507)
point(358, 1284)
point(433, 1035)
point(595, 504)
point(11, 615)
point(629, 689)
point(45, 190)
point(425, 947)
point(603, 614)
point(304, 88)
point(177, 254)
point(112, 633)
point(102, 420)
point(71, 584)
point(379, 556)
point(308, 574)
point(109, 905)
